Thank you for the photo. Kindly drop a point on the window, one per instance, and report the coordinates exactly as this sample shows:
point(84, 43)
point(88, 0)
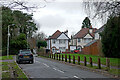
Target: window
point(61, 41)
point(62, 48)
point(53, 41)
point(78, 40)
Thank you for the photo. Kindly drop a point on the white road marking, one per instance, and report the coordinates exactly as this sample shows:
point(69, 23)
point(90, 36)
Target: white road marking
point(46, 65)
point(38, 61)
point(54, 68)
point(75, 77)
point(58, 70)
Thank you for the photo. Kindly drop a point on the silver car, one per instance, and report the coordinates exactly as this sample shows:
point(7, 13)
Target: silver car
point(25, 55)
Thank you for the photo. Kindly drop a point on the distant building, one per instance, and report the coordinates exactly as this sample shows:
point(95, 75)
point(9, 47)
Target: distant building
point(58, 41)
point(84, 36)
point(97, 32)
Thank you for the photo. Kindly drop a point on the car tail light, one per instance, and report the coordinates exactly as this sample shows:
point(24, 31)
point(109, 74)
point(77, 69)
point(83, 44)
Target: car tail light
point(31, 55)
point(21, 55)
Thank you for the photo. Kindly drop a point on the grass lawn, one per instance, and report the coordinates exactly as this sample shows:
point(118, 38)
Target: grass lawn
point(10, 57)
point(113, 61)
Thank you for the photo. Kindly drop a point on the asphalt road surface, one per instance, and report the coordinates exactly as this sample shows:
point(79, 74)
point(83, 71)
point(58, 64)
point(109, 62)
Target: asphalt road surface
point(45, 68)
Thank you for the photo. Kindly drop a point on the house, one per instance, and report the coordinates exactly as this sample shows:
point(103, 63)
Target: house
point(82, 37)
point(58, 41)
point(97, 32)
point(94, 47)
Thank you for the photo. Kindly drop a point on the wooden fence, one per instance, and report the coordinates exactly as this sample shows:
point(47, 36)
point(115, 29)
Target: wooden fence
point(74, 61)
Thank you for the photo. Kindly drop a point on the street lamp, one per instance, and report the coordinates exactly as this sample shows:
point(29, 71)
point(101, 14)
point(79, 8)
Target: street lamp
point(8, 39)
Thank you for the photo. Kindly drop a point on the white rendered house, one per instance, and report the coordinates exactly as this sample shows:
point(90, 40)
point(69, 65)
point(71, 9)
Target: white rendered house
point(58, 41)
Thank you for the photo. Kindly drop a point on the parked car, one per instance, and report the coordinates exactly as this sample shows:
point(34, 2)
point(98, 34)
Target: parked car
point(25, 55)
point(76, 51)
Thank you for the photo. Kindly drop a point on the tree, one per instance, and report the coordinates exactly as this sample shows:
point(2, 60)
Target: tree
point(41, 44)
point(86, 23)
point(23, 23)
point(21, 5)
point(18, 43)
point(101, 9)
point(111, 38)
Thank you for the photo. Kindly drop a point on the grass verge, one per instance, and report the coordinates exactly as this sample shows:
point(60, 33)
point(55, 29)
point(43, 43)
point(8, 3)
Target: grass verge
point(113, 61)
point(10, 57)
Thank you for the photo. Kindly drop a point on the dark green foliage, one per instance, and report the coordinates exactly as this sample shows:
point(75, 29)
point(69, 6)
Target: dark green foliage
point(111, 38)
point(41, 44)
point(18, 43)
point(23, 23)
point(86, 23)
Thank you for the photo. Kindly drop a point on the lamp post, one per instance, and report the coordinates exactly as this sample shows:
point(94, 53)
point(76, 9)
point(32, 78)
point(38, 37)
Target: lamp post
point(8, 39)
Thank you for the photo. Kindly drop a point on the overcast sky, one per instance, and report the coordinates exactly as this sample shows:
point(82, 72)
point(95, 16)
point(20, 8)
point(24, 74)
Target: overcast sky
point(63, 15)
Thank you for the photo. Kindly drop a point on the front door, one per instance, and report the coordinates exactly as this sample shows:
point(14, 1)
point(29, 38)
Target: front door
point(53, 50)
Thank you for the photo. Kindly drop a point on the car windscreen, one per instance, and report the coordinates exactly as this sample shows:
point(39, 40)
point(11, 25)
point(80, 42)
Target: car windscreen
point(25, 52)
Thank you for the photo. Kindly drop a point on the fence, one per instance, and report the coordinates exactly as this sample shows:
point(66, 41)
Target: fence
point(74, 61)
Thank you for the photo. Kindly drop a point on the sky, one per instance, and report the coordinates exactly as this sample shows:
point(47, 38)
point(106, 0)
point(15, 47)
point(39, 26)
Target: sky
point(60, 15)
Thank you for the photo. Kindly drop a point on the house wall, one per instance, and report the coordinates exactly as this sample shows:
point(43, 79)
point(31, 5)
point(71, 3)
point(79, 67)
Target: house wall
point(48, 44)
point(82, 41)
point(74, 41)
point(72, 47)
point(96, 35)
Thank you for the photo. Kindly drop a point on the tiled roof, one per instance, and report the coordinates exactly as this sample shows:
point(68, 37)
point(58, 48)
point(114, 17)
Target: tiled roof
point(83, 32)
point(55, 35)
point(100, 29)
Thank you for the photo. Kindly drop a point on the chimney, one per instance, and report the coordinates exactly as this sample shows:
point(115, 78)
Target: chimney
point(90, 29)
point(66, 32)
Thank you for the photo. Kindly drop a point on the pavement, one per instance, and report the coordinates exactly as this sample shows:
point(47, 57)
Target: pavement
point(45, 68)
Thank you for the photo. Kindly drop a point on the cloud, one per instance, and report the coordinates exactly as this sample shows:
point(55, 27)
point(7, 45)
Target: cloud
point(51, 21)
point(62, 16)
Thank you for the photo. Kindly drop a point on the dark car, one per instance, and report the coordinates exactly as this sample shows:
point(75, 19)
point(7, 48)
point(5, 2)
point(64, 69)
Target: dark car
point(25, 56)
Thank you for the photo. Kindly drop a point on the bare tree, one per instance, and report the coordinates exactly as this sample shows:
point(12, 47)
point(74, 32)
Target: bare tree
point(102, 9)
point(21, 5)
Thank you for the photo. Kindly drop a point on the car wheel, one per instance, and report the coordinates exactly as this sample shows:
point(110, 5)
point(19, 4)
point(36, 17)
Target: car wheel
point(18, 62)
point(32, 62)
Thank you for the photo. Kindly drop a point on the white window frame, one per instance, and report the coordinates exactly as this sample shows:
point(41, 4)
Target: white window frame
point(62, 41)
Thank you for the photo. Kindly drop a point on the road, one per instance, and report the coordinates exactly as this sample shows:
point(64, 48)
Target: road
point(45, 68)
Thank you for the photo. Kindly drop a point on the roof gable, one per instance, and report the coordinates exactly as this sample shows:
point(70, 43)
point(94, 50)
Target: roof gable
point(83, 32)
point(55, 35)
point(88, 36)
point(63, 36)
